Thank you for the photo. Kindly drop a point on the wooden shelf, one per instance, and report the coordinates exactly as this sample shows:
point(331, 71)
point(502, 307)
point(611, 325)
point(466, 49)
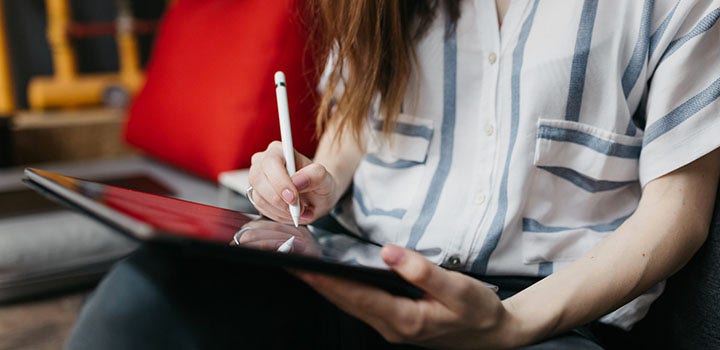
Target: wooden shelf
point(68, 135)
point(24, 120)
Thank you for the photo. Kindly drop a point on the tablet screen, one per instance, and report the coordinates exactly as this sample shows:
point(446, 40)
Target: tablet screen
point(151, 217)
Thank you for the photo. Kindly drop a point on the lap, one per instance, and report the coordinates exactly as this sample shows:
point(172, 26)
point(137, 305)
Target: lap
point(159, 298)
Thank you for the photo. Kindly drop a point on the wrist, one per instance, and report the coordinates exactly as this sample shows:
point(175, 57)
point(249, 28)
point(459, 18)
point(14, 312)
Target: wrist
point(327, 197)
point(512, 331)
point(338, 189)
point(527, 321)
point(340, 184)
point(502, 331)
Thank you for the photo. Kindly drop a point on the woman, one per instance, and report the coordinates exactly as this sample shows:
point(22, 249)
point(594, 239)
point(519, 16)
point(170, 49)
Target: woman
point(514, 146)
point(570, 143)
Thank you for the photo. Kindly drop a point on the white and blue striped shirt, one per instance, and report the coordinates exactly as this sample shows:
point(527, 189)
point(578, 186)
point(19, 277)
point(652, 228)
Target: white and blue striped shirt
point(520, 147)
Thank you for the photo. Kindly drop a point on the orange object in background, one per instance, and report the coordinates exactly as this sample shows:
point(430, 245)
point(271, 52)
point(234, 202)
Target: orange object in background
point(67, 88)
point(7, 98)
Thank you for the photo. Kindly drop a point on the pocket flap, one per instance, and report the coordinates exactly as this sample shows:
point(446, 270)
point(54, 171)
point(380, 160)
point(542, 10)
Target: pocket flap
point(410, 140)
point(593, 152)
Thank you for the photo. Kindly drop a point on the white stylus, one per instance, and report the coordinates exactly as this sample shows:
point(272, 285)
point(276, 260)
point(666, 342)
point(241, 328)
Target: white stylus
point(287, 246)
point(286, 137)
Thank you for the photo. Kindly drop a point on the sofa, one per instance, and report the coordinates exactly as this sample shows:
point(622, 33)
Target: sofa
point(58, 249)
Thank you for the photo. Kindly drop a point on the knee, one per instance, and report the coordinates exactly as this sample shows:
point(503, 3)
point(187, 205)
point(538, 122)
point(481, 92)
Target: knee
point(127, 310)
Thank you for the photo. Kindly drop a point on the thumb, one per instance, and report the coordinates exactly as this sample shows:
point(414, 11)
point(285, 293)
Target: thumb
point(416, 269)
point(301, 160)
point(311, 178)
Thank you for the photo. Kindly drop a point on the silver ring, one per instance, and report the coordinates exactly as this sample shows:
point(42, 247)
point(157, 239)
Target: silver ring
point(248, 195)
point(236, 237)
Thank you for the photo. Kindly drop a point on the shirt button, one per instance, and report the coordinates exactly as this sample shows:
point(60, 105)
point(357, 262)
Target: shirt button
point(480, 198)
point(454, 261)
point(492, 57)
point(489, 129)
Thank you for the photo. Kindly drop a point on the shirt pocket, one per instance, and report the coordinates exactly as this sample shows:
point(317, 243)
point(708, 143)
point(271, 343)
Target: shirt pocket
point(388, 178)
point(584, 184)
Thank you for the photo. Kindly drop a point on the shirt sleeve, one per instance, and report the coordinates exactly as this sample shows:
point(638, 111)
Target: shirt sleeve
point(682, 120)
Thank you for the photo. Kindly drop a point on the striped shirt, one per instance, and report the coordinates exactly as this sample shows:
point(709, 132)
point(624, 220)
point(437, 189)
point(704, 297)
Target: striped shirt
point(520, 147)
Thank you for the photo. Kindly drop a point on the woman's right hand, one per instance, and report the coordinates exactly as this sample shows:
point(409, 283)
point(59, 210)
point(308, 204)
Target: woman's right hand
point(273, 189)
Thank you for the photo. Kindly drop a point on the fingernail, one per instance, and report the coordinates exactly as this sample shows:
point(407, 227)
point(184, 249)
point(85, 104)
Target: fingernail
point(288, 196)
point(392, 254)
point(301, 181)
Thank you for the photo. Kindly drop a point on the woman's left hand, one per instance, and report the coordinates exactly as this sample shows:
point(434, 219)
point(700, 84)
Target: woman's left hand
point(457, 311)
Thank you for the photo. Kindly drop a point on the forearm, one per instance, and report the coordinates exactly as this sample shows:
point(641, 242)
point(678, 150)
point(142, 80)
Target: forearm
point(669, 225)
point(611, 274)
point(340, 156)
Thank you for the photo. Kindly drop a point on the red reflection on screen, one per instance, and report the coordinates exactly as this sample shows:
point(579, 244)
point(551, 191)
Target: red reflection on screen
point(174, 215)
point(164, 214)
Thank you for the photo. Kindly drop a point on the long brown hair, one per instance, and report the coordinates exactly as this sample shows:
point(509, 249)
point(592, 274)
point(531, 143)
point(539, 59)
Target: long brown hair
point(373, 43)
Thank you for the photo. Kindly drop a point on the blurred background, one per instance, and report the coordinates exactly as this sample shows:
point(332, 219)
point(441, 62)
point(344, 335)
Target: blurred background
point(72, 60)
point(167, 97)
point(29, 135)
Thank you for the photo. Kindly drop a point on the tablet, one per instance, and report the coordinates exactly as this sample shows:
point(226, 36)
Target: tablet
point(22, 201)
point(206, 230)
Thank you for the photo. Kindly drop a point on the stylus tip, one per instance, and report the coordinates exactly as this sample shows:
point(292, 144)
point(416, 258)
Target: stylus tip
point(295, 213)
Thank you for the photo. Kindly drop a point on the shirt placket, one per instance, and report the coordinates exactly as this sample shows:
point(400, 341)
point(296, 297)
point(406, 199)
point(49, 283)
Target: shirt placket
point(459, 249)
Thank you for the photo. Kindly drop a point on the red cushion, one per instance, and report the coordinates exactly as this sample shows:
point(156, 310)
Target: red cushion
point(209, 100)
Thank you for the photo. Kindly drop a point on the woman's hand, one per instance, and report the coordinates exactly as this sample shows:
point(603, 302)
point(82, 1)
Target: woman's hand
point(274, 190)
point(456, 312)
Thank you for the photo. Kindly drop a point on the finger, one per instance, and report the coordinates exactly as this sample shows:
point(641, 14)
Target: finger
point(267, 209)
point(262, 195)
point(256, 157)
point(273, 213)
point(255, 173)
point(273, 166)
point(266, 191)
point(448, 287)
point(263, 205)
point(313, 177)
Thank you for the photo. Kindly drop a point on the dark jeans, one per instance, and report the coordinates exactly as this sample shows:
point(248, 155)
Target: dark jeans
point(160, 299)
